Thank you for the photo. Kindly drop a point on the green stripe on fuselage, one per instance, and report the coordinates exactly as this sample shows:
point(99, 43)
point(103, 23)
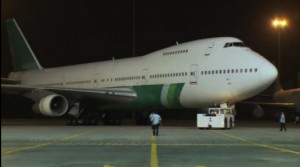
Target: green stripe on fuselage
point(174, 95)
point(150, 96)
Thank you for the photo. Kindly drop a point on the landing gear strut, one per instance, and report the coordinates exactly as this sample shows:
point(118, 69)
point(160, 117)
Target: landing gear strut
point(81, 116)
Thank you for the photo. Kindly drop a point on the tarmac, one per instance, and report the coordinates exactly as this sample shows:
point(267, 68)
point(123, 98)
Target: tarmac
point(247, 144)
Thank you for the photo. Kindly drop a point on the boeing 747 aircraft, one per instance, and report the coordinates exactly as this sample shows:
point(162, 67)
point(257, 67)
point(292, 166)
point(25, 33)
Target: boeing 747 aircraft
point(208, 72)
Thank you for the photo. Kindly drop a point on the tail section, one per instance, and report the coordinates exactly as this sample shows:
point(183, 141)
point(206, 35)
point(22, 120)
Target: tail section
point(23, 57)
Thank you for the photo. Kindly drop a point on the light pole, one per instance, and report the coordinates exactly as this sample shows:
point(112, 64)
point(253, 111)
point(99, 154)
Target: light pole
point(279, 24)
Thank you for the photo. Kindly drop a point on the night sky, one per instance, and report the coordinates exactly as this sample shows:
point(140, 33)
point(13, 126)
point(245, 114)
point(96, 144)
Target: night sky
point(66, 32)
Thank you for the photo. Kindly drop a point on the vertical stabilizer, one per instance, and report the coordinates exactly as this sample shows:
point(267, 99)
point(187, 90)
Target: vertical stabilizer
point(23, 57)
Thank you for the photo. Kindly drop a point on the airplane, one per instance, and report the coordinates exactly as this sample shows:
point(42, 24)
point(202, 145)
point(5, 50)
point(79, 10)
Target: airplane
point(218, 71)
point(288, 99)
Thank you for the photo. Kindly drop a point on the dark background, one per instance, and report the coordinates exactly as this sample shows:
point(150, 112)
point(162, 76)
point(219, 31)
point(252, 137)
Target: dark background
point(67, 32)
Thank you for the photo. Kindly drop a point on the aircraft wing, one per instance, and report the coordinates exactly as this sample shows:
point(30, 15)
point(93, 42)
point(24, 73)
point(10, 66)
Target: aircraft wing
point(9, 81)
point(271, 104)
point(117, 94)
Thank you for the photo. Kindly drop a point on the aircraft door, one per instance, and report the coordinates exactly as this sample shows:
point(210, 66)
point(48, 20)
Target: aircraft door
point(63, 81)
point(144, 76)
point(194, 74)
point(96, 80)
point(209, 49)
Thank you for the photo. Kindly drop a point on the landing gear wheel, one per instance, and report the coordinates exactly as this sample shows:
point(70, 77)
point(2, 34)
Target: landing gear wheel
point(71, 121)
point(225, 124)
point(230, 123)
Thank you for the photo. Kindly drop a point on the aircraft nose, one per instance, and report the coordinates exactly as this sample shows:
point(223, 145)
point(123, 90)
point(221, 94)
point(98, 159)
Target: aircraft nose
point(268, 73)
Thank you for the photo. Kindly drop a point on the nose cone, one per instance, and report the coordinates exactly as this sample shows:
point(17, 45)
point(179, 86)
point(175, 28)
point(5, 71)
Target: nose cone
point(268, 73)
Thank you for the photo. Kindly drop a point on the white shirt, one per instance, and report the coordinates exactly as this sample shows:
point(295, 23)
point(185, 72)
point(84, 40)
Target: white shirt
point(282, 118)
point(155, 119)
point(150, 116)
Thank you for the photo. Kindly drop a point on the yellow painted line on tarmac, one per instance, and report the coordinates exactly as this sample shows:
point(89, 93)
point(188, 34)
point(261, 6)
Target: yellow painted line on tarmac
point(154, 161)
point(7, 152)
point(79, 134)
point(13, 151)
point(277, 134)
point(108, 166)
point(70, 143)
point(257, 144)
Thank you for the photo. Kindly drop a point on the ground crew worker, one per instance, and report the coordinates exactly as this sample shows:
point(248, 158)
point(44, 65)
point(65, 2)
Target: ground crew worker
point(155, 122)
point(282, 121)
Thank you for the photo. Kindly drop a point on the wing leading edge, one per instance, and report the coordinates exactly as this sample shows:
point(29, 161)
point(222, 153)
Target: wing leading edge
point(114, 95)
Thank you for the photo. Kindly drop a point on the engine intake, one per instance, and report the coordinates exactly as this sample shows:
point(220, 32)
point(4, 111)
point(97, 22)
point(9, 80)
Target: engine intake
point(52, 105)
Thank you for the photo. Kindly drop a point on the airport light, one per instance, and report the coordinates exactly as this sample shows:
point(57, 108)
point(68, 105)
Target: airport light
point(279, 24)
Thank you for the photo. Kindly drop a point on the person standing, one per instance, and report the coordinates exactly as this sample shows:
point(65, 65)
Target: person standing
point(150, 117)
point(297, 119)
point(155, 122)
point(282, 121)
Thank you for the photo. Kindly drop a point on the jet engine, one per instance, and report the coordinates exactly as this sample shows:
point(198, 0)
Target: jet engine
point(52, 105)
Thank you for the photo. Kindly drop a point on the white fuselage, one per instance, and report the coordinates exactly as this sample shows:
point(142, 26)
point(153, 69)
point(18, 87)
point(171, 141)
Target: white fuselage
point(211, 73)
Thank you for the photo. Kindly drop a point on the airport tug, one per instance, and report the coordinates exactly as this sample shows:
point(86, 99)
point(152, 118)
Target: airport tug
point(216, 118)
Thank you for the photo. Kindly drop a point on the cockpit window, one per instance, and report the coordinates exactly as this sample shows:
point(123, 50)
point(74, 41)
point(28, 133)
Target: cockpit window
point(234, 44)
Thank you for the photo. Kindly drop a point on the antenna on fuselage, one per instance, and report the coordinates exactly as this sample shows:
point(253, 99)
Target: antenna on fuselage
point(177, 43)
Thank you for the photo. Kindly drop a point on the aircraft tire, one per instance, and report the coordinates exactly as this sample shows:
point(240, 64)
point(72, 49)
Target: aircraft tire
point(225, 124)
point(93, 122)
point(230, 123)
point(71, 122)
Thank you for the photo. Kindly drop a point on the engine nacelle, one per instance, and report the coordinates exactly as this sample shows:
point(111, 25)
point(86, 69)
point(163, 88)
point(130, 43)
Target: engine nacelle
point(52, 105)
